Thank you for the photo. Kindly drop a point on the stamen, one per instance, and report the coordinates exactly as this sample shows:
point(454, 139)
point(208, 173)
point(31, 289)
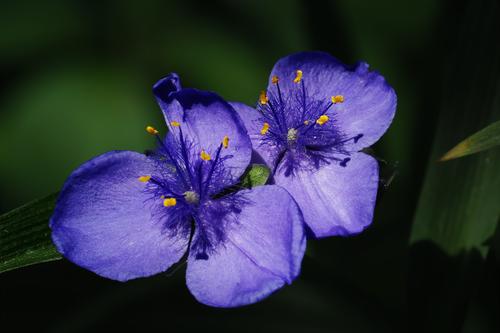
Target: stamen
point(175, 123)
point(298, 76)
point(144, 179)
point(151, 130)
point(169, 202)
point(264, 129)
point(204, 155)
point(322, 120)
point(306, 122)
point(274, 79)
point(225, 141)
point(337, 99)
point(263, 97)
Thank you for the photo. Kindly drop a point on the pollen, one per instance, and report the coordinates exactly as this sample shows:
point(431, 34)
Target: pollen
point(298, 76)
point(169, 202)
point(225, 141)
point(306, 122)
point(275, 79)
point(264, 129)
point(322, 120)
point(205, 156)
point(144, 179)
point(337, 99)
point(263, 97)
point(151, 130)
point(175, 123)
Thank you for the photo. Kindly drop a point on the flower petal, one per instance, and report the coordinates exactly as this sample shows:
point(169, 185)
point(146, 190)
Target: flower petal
point(262, 153)
point(263, 251)
point(369, 102)
point(205, 119)
point(335, 200)
point(103, 221)
point(162, 89)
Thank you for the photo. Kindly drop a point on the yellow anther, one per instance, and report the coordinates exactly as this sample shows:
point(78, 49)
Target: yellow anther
point(322, 119)
point(298, 76)
point(337, 99)
point(225, 141)
point(274, 79)
point(175, 123)
point(205, 156)
point(144, 179)
point(306, 122)
point(264, 129)
point(151, 130)
point(169, 202)
point(263, 97)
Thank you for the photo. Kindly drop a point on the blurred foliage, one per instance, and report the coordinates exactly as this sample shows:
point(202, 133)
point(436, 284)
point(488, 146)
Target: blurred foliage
point(76, 82)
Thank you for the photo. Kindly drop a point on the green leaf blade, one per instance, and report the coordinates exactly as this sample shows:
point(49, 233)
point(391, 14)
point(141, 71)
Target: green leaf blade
point(25, 235)
point(486, 138)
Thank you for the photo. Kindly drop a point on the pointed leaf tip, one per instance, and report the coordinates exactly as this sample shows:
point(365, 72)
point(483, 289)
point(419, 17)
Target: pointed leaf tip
point(486, 138)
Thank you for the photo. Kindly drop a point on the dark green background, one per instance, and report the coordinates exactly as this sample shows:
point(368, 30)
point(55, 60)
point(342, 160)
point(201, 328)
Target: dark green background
point(76, 81)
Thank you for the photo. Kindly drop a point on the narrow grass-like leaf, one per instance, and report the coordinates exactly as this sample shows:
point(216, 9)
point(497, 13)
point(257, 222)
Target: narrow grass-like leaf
point(486, 138)
point(25, 235)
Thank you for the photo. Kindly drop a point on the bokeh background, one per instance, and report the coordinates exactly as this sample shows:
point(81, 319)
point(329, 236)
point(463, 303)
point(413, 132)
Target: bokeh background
point(75, 81)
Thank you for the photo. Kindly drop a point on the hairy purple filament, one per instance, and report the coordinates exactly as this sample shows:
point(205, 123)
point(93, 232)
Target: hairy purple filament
point(297, 135)
point(193, 182)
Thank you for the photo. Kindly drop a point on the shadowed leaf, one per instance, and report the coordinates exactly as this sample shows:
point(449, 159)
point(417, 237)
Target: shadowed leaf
point(25, 235)
point(458, 209)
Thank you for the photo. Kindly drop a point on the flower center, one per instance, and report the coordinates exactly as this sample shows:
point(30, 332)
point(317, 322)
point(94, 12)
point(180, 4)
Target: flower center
point(296, 122)
point(192, 197)
point(292, 134)
point(188, 178)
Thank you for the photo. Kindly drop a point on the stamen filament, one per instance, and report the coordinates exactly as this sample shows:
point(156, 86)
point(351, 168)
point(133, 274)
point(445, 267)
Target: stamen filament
point(210, 173)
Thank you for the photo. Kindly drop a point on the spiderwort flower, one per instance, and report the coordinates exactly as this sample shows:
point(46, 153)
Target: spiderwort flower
point(125, 215)
point(309, 126)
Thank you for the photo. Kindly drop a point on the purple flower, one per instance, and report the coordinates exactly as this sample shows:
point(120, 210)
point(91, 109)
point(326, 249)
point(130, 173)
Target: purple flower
point(125, 215)
point(309, 126)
